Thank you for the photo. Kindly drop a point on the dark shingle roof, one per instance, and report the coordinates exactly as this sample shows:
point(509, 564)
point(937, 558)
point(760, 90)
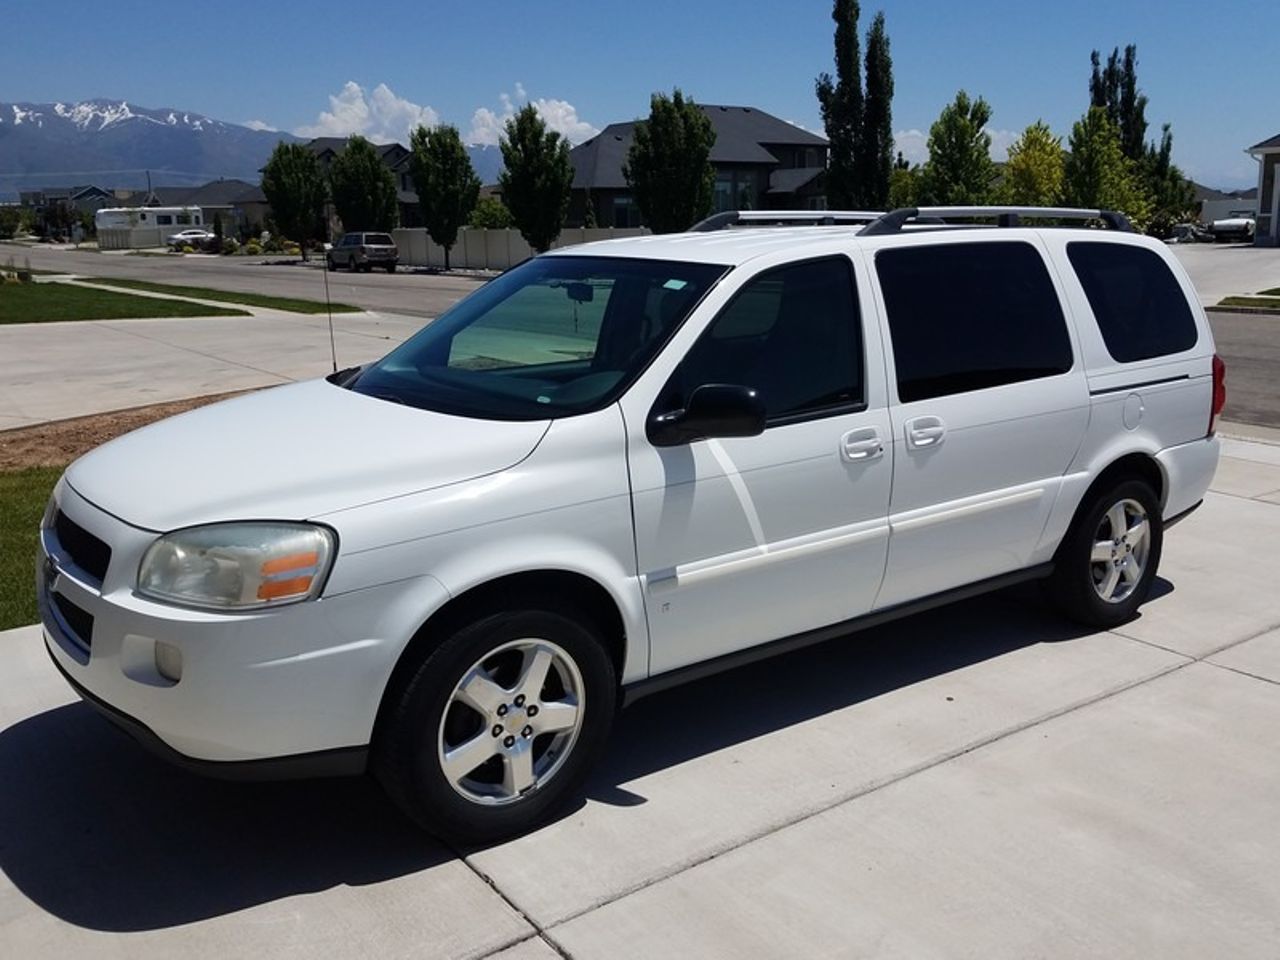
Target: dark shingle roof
point(743, 135)
point(1272, 144)
point(390, 152)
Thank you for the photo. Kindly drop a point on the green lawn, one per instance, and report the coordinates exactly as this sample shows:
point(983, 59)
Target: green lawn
point(1271, 303)
point(47, 302)
point(23, 495)
point(223, 296)
point(1273, 292)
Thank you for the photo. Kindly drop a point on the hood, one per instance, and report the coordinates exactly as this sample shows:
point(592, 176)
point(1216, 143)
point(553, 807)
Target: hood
point(290, 453)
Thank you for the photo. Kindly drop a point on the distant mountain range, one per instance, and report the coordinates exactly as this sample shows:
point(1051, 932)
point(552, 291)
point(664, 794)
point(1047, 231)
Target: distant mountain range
point(112, 143)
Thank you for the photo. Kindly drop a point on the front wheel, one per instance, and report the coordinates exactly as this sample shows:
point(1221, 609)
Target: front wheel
point(1106, 564)
point(391, 268)
point(498, 725)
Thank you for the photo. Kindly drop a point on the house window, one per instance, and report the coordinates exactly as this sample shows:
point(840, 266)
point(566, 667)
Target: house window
point(625, 212)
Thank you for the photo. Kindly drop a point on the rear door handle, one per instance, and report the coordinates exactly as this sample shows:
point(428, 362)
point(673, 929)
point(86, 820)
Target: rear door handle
point(925, 432)
point(864, 444)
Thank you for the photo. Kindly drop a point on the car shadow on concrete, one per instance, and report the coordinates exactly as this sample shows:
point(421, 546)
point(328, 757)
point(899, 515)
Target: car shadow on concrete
point(101, 834)
point(676, 725)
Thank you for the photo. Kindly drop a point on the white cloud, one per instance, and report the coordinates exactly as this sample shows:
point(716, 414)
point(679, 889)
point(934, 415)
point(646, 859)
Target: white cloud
point(1001, 141)
point(487, 126)
point(261, 125)
point(914, 144)
point(381, 116)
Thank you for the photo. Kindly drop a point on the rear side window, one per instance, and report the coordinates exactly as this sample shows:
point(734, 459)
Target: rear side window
point(970, 316)
point(379, 240)
point(1140, 309)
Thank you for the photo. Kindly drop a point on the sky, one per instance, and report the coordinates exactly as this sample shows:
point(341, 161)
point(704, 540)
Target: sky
point(330, 68)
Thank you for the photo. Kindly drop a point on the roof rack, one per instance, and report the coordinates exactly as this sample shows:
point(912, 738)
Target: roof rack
point(785, 218)
point(895, 220)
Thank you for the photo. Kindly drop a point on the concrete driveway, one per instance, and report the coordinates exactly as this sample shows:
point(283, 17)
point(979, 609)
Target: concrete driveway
point(980, 781)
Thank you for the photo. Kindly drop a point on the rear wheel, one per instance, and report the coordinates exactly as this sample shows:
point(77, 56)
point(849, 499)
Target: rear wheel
point(1107, 562)
point(498, 725)
point(391, 268)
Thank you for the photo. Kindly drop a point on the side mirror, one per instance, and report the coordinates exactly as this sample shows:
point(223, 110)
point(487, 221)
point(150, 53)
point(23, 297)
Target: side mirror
point(714, 410)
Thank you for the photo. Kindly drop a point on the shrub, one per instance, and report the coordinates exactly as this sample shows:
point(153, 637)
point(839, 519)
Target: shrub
point(188, 248)
point(230, 245)
point(253, 248)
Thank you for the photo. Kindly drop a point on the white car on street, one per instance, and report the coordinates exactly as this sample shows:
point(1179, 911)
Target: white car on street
point(623, 465)
point(192, 238)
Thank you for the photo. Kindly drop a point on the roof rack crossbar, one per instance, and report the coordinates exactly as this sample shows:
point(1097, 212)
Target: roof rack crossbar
point(828, 218)
point(895, 220)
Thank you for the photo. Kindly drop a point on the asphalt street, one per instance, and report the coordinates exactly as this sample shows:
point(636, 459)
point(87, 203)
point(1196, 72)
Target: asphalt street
point(415, 293)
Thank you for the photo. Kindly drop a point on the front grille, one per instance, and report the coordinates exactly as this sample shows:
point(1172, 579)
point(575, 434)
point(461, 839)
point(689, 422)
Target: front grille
point(80, 622)
point(85, 550)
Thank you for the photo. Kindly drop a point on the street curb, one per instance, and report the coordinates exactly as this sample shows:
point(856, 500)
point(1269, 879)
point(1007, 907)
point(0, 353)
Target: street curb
point(1264, 311)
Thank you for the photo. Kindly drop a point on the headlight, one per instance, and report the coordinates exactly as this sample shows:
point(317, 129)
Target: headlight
point(237, 566)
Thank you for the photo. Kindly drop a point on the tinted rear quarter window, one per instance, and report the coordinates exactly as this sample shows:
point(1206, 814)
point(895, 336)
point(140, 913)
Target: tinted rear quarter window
point(970, 316)
point(1140, 308)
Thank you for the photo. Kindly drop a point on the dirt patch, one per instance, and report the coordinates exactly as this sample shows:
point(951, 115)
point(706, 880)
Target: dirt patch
point(61, 441)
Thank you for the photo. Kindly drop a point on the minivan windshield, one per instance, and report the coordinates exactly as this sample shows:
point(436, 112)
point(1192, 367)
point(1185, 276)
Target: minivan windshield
point(553, 337)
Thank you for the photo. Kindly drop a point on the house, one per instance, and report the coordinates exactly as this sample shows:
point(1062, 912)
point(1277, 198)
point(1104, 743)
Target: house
point(396, 156)
point(83, 199)
point(761, 162)
point(1267, 153)
point(1214, 204)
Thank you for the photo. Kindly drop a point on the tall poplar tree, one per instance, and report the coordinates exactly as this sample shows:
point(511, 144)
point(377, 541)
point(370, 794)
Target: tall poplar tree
point(875, 156)
point(1115, 89)
point(840, 100)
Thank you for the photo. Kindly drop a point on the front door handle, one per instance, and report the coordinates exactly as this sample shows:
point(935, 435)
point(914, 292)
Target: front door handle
point(925, 432)
point(864, 444)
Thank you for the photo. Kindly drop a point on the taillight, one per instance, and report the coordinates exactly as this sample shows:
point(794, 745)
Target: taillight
point(1219, 392)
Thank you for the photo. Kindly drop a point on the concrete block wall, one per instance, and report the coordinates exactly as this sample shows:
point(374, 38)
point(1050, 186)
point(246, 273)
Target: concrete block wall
point(492, 249)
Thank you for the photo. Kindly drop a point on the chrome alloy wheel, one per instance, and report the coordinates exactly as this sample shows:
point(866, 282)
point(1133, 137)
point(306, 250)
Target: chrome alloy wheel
point(511, 722)
point(1121, 547)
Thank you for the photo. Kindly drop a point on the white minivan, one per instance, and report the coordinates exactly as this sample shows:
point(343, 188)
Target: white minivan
point(622, 465)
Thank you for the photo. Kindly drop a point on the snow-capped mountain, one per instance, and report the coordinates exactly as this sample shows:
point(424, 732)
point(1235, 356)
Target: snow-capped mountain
point(113, 143)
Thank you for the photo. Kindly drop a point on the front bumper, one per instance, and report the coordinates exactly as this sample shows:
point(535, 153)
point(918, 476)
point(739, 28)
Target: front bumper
point(292, 691)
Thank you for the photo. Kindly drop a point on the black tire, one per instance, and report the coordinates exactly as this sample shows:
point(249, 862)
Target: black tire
point(406, 758)
point(330, 264)
point(352, 265)
point(391, 268)
point(1077, 580)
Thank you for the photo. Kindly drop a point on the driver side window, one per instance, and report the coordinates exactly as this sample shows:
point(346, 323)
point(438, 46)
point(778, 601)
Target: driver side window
point(793, 334)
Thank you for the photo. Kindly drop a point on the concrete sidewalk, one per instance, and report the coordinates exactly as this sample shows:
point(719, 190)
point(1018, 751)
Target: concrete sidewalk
point(982, 780)
point(51, 371)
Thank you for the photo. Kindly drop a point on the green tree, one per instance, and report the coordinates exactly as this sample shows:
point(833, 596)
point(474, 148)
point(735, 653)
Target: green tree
point(874, 159)
point(10, 220)
point(1097, 174)
point(840, 101)
point(668, 166)
point(490, 213)
point(959, 170)
point(588, 210)
point(1033, 175)
point(295, 191)
point(1115, 89)
point(363, 187)
point(1173, 199)
point(447, 185)
point(904, 186)
point(537, 176)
